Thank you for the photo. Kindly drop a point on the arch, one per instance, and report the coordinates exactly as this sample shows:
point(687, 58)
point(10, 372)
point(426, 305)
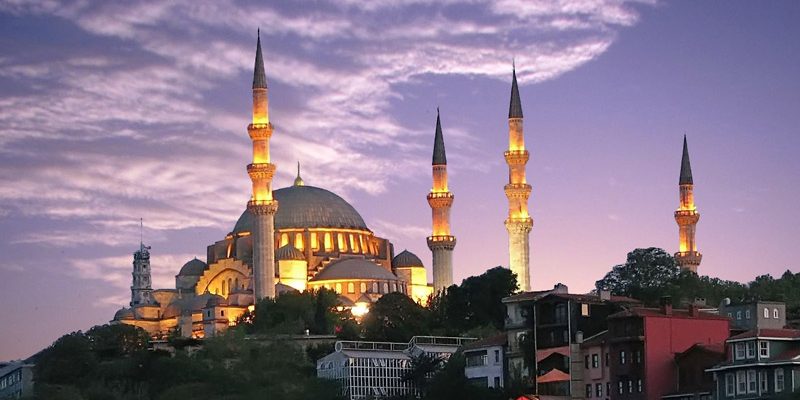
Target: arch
point(351, 287)
point(298, 241)
point(339, 288)
point(314, 241)
point(363, 287)
point(374, 287)
point(385, 287)
point(342, 242)
point(354, 243)
point(328, 242)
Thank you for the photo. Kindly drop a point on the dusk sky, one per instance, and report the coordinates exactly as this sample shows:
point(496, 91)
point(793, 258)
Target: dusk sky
point(111, 112)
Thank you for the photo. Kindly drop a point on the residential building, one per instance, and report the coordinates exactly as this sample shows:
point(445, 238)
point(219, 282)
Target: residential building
point(597, 373)
point(376, 369)
point(746, 316)
point(16, 380)
point(693, 381)
point(485, 361)
point(762, 363)
point(645, 341)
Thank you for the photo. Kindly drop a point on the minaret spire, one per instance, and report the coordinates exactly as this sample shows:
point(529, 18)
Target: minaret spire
point(441, 242)
point(261, 204)
point(519, 223)
point(687, 216)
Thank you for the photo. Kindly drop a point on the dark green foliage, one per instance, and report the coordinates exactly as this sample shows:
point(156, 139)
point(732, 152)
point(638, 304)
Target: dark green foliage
point(647, 275)
point(67, 361)
point(293, 313)
point(423, 368)
point(109, 341)
point(450, 383)
point(395, 318)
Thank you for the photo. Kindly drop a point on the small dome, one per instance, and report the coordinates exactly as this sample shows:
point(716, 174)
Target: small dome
point(289, 252)
point(354, 268)
point(123, 314)
point(281, 288)
point(216, 300)
point(406, 259)
point(194, 267)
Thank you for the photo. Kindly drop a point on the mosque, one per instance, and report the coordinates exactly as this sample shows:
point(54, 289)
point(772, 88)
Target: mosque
point(303, 237)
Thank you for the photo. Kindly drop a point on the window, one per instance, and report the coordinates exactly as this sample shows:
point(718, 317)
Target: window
point(342, 242)
point(589, 391)
point(363, 287)
point(598, 390)
point(763, 348)
point(730, 384)
point(751, 349)
point(374, 287)
point(584, 310)
point(586, 361)
point(619, 387)
point(762, 375)
point(639, 385)
point(298, 241)
point(775, 313)
point(351, 287)
point(394, 287)
point(221, 313)
point(339, 288)
point(606, 359)
point(752, 384)
point(385, 287)
point(630, 385)
point(497, 356)
point(595, 360)
point(730, 315)
point(328, 241)
point(284, 239)
point(497, 381)
point(637, 356)
point(314, 241)
point(747, 314)
point(608, 388)
point(622, 358)
point(766, 312)
point(741, 382)
point(778, 380)
point(739, 351)
point(738, 315)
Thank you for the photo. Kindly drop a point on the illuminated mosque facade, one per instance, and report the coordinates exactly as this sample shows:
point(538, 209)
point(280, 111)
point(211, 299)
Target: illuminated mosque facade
point(303, 237)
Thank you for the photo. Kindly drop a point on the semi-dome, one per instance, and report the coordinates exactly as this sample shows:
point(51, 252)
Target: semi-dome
point(289, 252)
point(308, 207)
point(354, 268)
point(193, 267)
point(406, 259)
point(123, 313)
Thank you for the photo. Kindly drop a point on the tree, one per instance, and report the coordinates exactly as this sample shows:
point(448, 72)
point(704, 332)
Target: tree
point(395, 317)
point(108, 341)
point(423, 368)
point(67, 361)
point(646, 275)
point(485, 293)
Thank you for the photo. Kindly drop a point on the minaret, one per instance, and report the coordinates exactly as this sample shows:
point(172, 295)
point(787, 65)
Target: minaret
point(519, 222)
point(440, 199)
point(261, 171)
point(141, 289)
point(687, 216)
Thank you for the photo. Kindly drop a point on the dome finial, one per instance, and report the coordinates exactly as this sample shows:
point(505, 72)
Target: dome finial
point(298, 181)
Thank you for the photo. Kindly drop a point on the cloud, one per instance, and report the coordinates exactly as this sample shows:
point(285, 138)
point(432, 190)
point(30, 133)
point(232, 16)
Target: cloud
point(138, 121)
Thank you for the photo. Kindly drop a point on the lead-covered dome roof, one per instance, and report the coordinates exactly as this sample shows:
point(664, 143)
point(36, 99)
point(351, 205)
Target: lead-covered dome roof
point(308, 207)
point(354, 268)
point(406, 259)
point(193, 267)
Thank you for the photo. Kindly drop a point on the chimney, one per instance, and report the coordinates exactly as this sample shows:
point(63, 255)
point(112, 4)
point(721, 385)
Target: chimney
point(694, 310)
point(666, 305)
point(605, 295)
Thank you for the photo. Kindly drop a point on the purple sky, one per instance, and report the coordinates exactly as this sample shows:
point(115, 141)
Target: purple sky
point(109, 113)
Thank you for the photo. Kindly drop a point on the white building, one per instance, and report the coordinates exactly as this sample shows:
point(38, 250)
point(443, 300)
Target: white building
point(376, 369)
point(485, 361)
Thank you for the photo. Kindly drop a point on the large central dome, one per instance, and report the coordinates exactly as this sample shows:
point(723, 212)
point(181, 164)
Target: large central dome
point(302, 207)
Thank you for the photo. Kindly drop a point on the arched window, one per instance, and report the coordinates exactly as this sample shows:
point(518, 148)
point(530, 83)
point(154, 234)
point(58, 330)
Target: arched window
point(775, 313)
point(363, 287)
point(314, 241)
point(342, 242)
point(284, 239)
point(394, 287)
point(231, 288)
point(351, 287)
point(353, 243)
point(374, 287)
point(298, 241)
point(339, 288)
point(766, 312)
point(224, 287)
point(385, 287)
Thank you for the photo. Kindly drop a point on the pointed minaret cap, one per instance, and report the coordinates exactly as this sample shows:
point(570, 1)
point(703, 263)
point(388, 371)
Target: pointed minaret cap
point(259, 77)
point(515, 108)
point(439, 156)
point(298, 181)
point(686, 166)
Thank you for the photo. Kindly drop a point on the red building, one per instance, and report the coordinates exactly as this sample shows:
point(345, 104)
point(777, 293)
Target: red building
point(643, 343)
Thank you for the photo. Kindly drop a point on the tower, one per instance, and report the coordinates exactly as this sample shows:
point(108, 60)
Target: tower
point(687, 216)
point(441, 242)
point(141, 289)
point(519, 223)
point(261, 171)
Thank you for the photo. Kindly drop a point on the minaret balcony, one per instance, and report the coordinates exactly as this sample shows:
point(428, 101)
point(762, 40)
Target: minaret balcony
point(517, 190)
point(519, 224)
point(514, 157)
point(261, 171)
point(262, 207)
point(259, 131)
point(688, 258)
point(446, 242)
point(440, 199)
point(687, 217)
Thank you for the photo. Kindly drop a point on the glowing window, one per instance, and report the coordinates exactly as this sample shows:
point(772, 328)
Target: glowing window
point(385, 287)
point(284, 239)
point(314, 241)
point(338, 288)
point(374, 287)
point(351, 288)
point(364, 248)
point(328, 242)
point(363, 287)
point(342, 242)
point(353, 243)
point(394, 287)
point(298, 241)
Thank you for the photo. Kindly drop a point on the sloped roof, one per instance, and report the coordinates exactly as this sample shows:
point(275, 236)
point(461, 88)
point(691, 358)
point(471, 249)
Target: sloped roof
point(554, 375)
point(501, 339)
point(656, 312)
point(768, 333)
